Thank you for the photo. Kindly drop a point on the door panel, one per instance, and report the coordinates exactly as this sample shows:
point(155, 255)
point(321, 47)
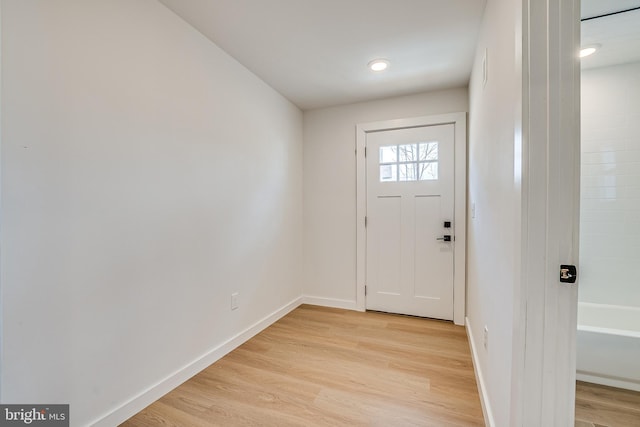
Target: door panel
point(410, 182)
point(428, 209)
point(388, 254)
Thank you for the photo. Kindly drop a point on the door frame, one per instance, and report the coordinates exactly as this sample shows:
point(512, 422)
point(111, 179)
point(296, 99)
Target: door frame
point(544, 369)
point(459, 120)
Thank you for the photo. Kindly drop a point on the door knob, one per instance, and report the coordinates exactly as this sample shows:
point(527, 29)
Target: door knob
point(446, 238)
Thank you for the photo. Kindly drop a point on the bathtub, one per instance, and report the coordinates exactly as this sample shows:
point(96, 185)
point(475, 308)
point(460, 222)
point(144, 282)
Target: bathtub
point(608, 345)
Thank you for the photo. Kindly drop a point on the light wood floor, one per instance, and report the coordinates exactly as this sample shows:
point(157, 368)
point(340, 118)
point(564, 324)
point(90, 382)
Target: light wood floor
point(321, 366)
point(601, 406)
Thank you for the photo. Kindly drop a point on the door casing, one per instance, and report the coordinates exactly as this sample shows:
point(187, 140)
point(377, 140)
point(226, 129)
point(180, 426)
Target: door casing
point(459, 120)
point(544, 374)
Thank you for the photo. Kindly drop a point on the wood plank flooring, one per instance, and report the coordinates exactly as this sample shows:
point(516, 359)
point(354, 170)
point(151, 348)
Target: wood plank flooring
point(327, 367)
point(602, 406)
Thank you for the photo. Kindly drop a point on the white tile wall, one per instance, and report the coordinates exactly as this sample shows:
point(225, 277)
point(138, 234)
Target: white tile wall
point(610, 193)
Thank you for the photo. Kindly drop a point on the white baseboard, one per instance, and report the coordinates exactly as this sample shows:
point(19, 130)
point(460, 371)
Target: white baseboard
point(330, 302)
point(164, 386)
point(611, 382)
point(482, 387)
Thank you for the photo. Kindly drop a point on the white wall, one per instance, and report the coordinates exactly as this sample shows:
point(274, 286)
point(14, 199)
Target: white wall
point(610, 194)
point(493, 243)
point(330, 187)
point(146, 176)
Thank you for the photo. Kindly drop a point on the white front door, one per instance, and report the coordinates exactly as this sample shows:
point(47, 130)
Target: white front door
point(410, 213)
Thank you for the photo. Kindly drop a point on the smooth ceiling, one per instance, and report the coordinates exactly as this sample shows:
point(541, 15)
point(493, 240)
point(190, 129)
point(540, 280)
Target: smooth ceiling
point(315, 52)
point(618, 35)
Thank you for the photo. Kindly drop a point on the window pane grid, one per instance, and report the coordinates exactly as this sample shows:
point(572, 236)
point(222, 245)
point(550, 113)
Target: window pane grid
point(409, 162)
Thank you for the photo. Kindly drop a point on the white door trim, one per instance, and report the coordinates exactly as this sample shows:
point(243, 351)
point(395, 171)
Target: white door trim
point(544, 358)
point(459, 120)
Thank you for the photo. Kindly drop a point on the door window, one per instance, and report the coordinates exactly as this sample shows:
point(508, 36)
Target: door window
point(409, 162)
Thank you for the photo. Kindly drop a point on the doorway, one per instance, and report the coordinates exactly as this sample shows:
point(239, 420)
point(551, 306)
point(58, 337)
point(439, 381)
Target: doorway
point(608, 332)
point(411, 191)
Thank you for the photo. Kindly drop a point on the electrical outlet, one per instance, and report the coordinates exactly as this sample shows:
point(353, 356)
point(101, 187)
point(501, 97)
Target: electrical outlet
point(234, 301)
point(485, 337)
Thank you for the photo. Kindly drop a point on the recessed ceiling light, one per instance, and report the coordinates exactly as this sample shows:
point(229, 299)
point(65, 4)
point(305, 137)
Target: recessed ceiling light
point(588, 50)
point(378, 64)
